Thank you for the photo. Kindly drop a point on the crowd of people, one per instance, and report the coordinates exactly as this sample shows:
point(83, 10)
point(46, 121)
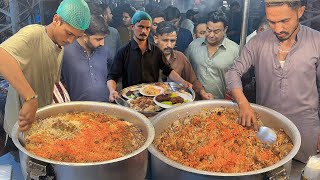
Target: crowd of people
point(90, 51)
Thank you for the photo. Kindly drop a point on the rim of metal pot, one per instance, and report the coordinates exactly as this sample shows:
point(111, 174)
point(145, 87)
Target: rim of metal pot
point(16, 134)
point(153, 150)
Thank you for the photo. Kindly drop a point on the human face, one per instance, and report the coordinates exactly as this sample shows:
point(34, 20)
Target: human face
point(126, 19)
point(108, 15)
point(93, 42)
point(201, 30)
point(215, 33)
point(63, 33)
point(166, 42)
point(175, 21)
point(155, 23)
point(141, 30)
point(284, 21)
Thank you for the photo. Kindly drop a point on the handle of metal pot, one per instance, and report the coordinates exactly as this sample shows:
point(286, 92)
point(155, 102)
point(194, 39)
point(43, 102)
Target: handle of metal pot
point(39, 170)
point(277, 174)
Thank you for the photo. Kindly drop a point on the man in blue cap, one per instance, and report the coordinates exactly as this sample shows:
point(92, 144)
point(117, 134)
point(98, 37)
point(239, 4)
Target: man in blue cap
point(139, 61)
point(30, 61)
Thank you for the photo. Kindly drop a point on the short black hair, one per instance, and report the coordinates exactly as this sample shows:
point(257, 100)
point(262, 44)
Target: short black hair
point(104, 8)
point(292, 5)
point(156, 14)
point(171, 13)
point(97, 26)
point(95, 9)
point(165, 27)
point(217, 16)
point(127, 8)
point(234, 3)
point(199, 21)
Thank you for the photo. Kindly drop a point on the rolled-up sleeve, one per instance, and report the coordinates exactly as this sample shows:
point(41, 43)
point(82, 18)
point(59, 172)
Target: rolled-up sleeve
point(239, 67)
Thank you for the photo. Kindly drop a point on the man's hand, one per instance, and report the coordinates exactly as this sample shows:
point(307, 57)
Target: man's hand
point(113, 95)
point(27, 114)
point(246, 115)
point(186, 84)
point(206, 96)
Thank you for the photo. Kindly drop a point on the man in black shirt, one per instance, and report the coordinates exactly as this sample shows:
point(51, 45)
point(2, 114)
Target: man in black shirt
point(139, 61)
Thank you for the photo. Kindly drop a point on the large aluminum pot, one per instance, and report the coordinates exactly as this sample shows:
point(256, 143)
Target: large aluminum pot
point(132, 166)
point(165, 168)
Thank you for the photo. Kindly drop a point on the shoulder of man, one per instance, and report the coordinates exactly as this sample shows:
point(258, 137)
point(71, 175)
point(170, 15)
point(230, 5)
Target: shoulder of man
point(113, 30)
point(196, 42)
point(180, 55)
point(231, 45)
point(27, 33)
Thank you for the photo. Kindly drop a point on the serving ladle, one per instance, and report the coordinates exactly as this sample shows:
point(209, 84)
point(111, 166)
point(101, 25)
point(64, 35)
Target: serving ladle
point(266, 135)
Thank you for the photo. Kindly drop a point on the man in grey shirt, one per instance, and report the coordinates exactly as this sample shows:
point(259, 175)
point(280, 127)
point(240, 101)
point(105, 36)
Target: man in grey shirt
point(286, 61)
point(112, 40)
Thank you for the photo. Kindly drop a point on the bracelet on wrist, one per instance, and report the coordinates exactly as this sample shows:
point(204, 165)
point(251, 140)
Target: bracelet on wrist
point(31, 97)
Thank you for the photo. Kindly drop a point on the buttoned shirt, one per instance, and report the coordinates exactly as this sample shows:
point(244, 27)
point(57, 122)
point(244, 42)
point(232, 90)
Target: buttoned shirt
point(211, 70)
point(291, 90)
point(85, 76)
point(180, 64)
point(135, 67)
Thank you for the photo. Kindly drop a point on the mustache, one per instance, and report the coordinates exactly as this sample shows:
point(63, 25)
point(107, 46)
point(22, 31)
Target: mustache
point(282, 32)
point(168, 49)
point(143, 34)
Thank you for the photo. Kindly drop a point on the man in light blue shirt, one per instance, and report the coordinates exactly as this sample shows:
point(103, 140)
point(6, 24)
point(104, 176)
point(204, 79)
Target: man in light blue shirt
point(212, 56)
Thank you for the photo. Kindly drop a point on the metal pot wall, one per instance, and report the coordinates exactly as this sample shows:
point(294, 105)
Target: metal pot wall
point(132, 166)
point(165, 168)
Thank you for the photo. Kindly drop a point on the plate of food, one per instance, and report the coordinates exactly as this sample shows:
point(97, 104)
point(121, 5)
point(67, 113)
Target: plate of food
point(131, 93)
point(144, 104)
point(151, 90)
point(171, 99)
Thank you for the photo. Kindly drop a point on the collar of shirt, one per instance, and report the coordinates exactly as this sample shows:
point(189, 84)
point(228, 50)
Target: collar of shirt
point(223, 44)
point(134, 45)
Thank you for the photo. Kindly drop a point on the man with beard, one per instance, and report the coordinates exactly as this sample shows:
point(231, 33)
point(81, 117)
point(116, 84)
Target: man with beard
point(30, 61)
point(124, 28)
point(112, 40)
point(166, 38)
point(139, 61)
point(85, 61)
point(286, 60)
point(212, 56)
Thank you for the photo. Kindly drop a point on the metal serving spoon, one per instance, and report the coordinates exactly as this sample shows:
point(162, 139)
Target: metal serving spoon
point(266, 135)
point(122, 102)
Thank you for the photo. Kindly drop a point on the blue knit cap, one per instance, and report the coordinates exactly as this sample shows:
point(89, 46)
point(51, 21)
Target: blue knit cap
point(139, 16)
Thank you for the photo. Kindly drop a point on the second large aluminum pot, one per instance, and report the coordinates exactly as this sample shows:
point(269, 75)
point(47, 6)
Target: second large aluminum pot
point(165, 168)
point(133, 166)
